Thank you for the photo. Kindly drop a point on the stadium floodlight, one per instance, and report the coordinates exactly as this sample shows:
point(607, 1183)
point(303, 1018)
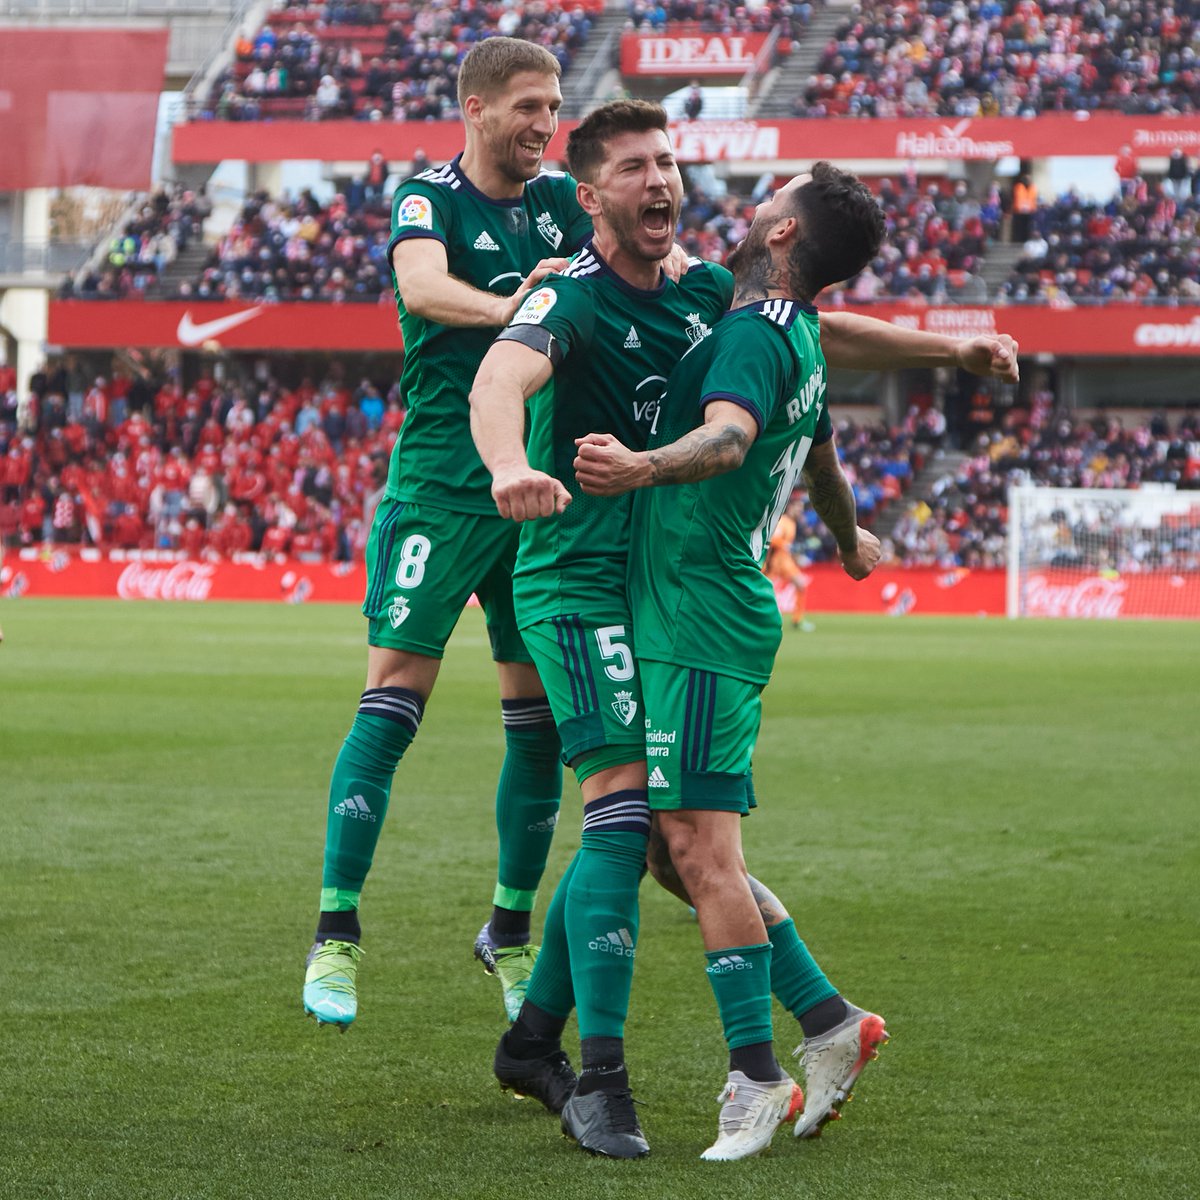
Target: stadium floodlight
point(1098, 552)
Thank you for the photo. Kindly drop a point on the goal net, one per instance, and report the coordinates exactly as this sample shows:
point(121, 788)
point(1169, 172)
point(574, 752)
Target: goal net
point(1095, 552)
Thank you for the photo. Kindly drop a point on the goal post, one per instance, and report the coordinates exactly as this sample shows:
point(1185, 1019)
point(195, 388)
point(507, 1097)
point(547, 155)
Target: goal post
point(1103, 553)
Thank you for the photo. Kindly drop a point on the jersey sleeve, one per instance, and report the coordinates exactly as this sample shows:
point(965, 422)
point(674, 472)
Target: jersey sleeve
point(751, 367)
point(554, 318)
point(824, 430)
point(419, 210)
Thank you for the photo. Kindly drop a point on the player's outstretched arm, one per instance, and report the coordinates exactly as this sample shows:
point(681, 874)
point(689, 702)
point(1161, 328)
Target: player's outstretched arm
point(509, 374)
point(830, 493)
point(604, 467)
point(430, 291)
point(867, 344)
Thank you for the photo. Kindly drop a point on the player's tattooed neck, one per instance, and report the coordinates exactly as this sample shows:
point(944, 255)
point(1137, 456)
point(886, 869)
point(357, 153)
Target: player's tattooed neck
point(757, 279)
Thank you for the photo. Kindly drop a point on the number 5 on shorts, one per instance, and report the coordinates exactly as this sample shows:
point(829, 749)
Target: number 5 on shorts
point(411, 569)
point(622, 669)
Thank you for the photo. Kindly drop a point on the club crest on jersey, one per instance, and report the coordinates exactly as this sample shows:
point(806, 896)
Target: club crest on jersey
point(398, 612)
point(415, 212)
point(625, 706)
point(549, 230)
point(535, 307)
point(696, 329)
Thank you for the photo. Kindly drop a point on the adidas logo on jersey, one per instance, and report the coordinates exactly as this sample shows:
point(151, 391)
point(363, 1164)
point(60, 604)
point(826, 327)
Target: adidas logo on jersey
point(356, 808)
point(485, 241)
point(658, 779)
point(632, 341)
point(617, 942)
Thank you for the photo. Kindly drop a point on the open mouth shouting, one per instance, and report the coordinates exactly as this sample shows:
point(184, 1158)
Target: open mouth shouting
point(656, 220)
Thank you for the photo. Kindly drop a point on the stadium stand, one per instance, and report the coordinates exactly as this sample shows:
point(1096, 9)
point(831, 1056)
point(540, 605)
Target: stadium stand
point(377, 61)
point(1006, 57)
point(1142, 245)
point(136, 462)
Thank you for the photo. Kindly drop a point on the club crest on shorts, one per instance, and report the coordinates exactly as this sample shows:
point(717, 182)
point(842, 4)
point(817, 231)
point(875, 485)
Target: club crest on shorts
point(625, 706)
point(398, 612)
point(549, 230)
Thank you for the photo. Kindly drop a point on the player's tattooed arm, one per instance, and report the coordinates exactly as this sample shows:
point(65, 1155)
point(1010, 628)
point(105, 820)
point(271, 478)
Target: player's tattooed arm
point(830, 493)
point(605, 467)
point(712, 449)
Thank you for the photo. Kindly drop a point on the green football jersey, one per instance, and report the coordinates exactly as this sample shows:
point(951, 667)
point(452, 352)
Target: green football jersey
point(492, 245)
point(696, 587)
point(613, 346)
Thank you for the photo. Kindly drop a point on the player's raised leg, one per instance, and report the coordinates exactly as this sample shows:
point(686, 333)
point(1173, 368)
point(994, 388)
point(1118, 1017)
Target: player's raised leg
point(389, 714)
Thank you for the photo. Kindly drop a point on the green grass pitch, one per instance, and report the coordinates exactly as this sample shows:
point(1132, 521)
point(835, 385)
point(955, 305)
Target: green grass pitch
point(986, 830)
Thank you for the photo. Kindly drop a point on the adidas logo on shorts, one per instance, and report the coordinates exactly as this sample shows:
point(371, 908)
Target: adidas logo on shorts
point(658, 779)
point(485, 241)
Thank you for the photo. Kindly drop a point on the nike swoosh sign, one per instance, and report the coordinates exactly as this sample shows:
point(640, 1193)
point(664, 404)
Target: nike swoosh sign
point(191, 334)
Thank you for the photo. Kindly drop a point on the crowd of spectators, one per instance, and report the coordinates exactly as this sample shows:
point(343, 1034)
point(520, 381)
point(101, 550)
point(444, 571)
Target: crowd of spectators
point(964, 520)
point(969, 58)
point(373, 61)
point(719, 16)
point(165, 224)
point(136, 463)
point(937, 237)
point(1144, 244)
point(301, 250)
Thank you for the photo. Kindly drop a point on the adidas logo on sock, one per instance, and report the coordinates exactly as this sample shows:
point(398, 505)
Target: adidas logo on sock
point(658, 779)
point(546, 826)
point(485, 241)
point(632, 341)
point(356, 808)
point(618, 942)
point(727, 964)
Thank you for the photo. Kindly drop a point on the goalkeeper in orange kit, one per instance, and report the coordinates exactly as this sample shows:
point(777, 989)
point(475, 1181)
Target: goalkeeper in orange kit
point(784, 572)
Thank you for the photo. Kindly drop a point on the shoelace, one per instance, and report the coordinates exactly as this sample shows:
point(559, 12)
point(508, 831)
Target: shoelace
point(328, 950)
point(620, 1111)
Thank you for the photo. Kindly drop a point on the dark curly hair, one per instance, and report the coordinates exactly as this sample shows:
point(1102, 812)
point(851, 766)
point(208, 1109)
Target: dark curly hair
point(841, 228)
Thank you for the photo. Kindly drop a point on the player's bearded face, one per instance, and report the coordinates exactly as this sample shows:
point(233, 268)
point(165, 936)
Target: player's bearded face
point(519, 123)
point(642, 194)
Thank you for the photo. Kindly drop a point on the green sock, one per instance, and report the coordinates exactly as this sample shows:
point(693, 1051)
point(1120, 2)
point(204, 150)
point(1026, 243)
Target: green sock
point(602, 926)
point(796, 980)
point(741, 981)
point(527, 799)
point(383, 729)
point(550, 985)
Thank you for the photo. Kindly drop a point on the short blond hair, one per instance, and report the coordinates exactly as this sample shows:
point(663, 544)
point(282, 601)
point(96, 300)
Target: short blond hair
point(490, 64)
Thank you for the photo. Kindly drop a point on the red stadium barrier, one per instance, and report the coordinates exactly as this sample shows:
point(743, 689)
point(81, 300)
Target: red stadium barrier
point(59, 573)
point(890, 591)
point(982, 138)
point(1129, 330)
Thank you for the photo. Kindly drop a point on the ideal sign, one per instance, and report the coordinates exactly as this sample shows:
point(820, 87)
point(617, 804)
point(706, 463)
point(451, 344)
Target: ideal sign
point(701, 55)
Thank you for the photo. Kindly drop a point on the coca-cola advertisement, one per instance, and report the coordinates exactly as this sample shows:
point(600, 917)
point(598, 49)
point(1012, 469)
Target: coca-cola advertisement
point(1108, 595)
point(34, 573)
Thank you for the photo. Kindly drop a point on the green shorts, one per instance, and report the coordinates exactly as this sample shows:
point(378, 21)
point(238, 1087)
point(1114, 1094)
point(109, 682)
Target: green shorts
point(587, 667)
point(423, 563)
point(700, 735)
